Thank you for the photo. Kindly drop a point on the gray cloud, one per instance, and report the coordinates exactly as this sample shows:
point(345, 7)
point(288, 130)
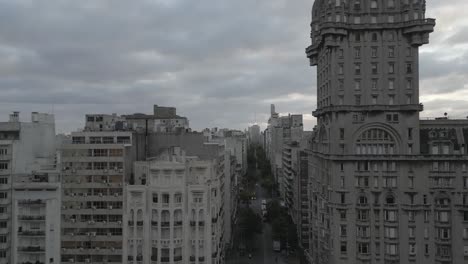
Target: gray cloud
point(220, 62)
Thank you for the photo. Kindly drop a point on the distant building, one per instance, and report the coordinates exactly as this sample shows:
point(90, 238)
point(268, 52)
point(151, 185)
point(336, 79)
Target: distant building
point(30, 191)
point(255, 137)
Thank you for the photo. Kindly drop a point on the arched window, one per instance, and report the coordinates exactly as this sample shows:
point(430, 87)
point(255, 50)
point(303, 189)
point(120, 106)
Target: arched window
point(375, 141)
point(390, 199)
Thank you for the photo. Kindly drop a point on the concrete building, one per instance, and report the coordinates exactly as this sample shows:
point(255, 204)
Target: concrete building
point(29, 191)
point(174, 211)
point(385, 187)
point(95, 165)
point(255, 136)
point(163, 120)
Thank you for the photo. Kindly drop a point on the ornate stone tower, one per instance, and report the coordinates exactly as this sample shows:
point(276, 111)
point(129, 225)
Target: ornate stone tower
point(366, 158)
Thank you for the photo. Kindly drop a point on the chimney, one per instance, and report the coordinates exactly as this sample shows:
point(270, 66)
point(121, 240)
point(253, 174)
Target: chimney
point(14, 117)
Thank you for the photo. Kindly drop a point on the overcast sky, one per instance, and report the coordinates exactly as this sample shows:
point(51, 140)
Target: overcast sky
point(220, 62)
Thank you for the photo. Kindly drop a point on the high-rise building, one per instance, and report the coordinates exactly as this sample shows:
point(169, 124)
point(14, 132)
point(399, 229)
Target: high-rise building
point(385, 187)
point(29, 191)
point(95, 166)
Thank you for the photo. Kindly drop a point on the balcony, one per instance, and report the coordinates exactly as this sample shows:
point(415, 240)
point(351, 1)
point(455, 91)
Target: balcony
point(154, 223)
point(177, 223)
point(201, 223)
point(32, 249)
point(139, 223)
point(164, 259)
point(31, 202)
point(31, 233)
point(177, 258)
point(165, 224)
point(32, 217)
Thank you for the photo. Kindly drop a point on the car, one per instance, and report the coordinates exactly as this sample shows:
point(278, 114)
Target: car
point(250, 255)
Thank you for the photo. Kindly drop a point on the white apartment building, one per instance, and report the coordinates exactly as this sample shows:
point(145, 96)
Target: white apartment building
point(35, 226)
point(174, 212)
point(27, 150)
point(95, 165)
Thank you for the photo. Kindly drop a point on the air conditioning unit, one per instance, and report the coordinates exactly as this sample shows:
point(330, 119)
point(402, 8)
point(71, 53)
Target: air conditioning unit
point(72, 234)
point(87, 261)
point(73, 194)
point(88, 234)
point(81, 249)
point(104, 222)
point(93, 234)
point(109, 234)
point(105, 171)
point(110, 207)
point(94, 207)
point(73, 220)
point(116, 194)
point(71, 260)
point(100, 194)
point(92, 222)
point(119, 222)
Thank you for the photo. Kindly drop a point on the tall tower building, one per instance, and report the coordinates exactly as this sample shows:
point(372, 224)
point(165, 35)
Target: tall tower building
point(385, 187)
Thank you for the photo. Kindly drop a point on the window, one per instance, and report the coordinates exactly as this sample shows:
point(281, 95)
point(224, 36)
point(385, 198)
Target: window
point(3, 239)
point(343, 198)
point(3, 151)
point(3, 165)
point(412, 249)
point(443, 233)
point(343, 230)
point(391, 249)
point(363, 248)
point(3, 254)
point(357, 69)
point(357, 84)
point(465, 233)
point(391, 36)
point(409, 84)
point(362, 215)
point(391, 51)
point(374, 52)
point(342, 214)
point(374, 84)
point(165, 198)
point(155, 198)
point(3, 224)
point(391, 99)
point(391, 68)
point(426, 249)
point(95, 140)
point(340, 100)
point(391, 84)
point(357, 37)
point(342, 133)
point(411, 182)
point(374, 99)
point(374, 68)
point(408, 98)
point(391, 19)
point(374, 37)
point(409, 68)
point(340, 68)
point(442, 217)
point(116, 152)
point(3, 180)
point(391, 3)
point(3, 195)
point(465, 216)
point(373, 19)
point(358, 100)
point(374, 4)
point(390, 215)
point(357, 52)
point(357, 20)
point(411, 216)
point(391, 232)
point(341, 53)
point(411, 232)
point(343, 247)
point(108, 140)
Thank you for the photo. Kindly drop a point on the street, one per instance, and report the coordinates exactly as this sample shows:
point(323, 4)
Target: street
point(263, 252)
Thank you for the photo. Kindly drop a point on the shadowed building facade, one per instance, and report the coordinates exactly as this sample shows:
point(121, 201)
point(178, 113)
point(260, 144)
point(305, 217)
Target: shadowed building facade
point(384, 186)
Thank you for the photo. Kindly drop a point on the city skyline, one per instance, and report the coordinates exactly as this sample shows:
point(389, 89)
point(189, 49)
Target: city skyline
point(57, 60)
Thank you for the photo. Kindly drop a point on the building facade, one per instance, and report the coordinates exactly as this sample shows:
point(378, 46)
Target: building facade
point(174, 211)
point(385, 187)
point(27, 149)
point(95, 166)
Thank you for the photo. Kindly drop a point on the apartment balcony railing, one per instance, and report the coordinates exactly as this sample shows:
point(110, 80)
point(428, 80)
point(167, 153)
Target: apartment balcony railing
point(31, 233)
point(139, 223)
point(165, 259)
point(32, 249)
point(31, 202)
point(177, 223)
point(165, 223)
point(154, 223)
point(32, 217)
